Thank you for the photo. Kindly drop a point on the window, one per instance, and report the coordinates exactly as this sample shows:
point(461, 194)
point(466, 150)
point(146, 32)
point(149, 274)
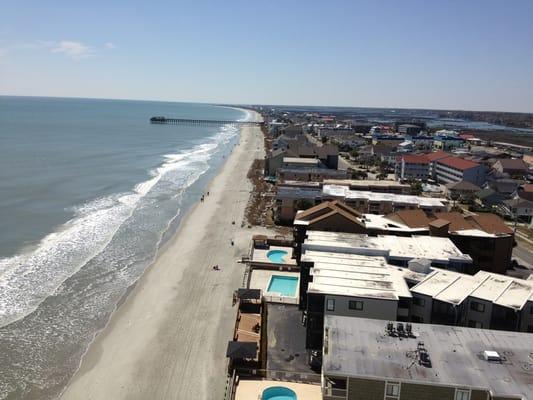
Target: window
point(476, 306)
point(417, 301)
point(475, 324)
point(355, 305)
point(462, 394)
point(416, 318)
point(330, 305)
point(393, 389)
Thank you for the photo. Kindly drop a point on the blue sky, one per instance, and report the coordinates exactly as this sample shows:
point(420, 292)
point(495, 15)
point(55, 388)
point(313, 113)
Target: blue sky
point(470, 54)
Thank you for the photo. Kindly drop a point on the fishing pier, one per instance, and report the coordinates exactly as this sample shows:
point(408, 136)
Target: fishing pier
point(201, 122)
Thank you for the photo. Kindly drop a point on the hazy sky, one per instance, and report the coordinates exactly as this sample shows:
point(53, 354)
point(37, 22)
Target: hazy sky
point(428, 54)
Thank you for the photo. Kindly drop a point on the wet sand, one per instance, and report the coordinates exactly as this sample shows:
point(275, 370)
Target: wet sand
point(168, 339)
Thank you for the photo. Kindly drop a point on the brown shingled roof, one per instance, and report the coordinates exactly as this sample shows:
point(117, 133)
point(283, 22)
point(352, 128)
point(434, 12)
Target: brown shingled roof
point(437, 155)
point(458, 163)
point(412, 218)
point(490, 223)
point(327, 209)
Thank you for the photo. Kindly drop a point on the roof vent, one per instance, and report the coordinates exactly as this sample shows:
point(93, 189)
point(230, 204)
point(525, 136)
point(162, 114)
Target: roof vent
point(489, 355)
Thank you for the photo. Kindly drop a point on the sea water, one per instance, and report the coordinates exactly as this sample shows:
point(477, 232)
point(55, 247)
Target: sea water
point(89, 189)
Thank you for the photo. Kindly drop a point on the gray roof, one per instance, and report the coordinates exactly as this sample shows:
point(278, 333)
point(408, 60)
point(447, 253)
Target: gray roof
point(360, 347)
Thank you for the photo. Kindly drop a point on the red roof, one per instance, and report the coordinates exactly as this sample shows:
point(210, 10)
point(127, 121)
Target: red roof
point(415, 159)
point(458, 163)
point(437, 155)
point(467, 136)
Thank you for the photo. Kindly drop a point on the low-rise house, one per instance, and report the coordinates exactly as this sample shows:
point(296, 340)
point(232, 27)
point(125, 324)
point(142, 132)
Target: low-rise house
point(518, 209)
point(463, 190)
point(447, 143)
point(369, 359)
point(504, 186)
point(490, 198)
point(511, 166)
point(409, 129)
point(525, 192)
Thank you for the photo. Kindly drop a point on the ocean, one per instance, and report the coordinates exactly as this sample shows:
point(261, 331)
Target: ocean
point(89, 190)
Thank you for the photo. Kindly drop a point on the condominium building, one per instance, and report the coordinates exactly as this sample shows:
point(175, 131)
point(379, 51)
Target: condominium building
point(368, 359)
point(455, 169)
point(412, 166)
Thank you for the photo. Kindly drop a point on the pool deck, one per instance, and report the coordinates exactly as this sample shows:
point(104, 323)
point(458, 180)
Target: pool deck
point(252, 389)
point(260, 256)
point(260, 278)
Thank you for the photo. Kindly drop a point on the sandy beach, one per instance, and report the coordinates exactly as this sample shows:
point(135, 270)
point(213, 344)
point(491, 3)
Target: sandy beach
point(168, 339)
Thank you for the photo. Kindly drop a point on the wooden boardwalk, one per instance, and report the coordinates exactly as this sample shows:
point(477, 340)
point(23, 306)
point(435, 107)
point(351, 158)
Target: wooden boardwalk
point(201, 122)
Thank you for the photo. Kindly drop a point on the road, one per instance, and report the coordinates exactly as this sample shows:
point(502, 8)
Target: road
point(523, 255)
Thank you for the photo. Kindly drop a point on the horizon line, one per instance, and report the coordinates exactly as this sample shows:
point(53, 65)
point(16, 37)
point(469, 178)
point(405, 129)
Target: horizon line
point(267, 105)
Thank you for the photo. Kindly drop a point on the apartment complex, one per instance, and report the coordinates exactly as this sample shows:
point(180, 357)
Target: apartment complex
point(485, 300)
point(287, 199)
point(412, 166)
point(368, 359)
point(455, 169)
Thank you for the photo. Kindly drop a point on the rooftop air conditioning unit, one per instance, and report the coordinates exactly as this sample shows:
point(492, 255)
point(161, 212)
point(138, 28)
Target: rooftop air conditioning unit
point(491, 355)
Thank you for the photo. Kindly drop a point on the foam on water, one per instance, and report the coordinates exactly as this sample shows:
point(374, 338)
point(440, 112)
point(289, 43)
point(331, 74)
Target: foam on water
point(27, 279)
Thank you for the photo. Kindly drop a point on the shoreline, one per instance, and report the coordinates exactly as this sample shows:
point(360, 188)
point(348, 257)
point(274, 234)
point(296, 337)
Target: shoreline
point(130, 356)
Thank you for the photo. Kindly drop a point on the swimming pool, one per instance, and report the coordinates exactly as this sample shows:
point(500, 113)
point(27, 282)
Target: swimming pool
point(278, 393)
point(286, 285)
point(277, 256)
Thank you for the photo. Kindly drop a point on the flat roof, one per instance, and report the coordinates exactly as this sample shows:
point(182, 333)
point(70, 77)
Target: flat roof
point(345, 192)
point(365, 183)
point(406, 248)
point(355, 275)
point(360, 347)
point(453, 287)
point(298, 160)
point(374, 221)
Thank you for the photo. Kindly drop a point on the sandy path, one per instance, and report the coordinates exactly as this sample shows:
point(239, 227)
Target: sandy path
point(168, 339)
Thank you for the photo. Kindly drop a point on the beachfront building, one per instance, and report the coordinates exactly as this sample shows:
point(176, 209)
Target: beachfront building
point(483, 236)
point(291, 199)
point(484, 300)
point(455, 169)
point(369, 185)
point(412, 167)
point(368, 359)
point(381, 203)
point(351, 285)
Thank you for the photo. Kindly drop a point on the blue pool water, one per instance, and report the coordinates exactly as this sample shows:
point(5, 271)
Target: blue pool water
point(286, 285)
point(278, 393)
point(277, 256)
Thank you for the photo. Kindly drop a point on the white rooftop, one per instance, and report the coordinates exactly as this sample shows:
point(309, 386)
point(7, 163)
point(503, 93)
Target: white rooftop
point(453, 287)
point(436, 249)
point(344, 192)
point(365, 183)
point(373, 221)
point(355, 275)
point(297, 160)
